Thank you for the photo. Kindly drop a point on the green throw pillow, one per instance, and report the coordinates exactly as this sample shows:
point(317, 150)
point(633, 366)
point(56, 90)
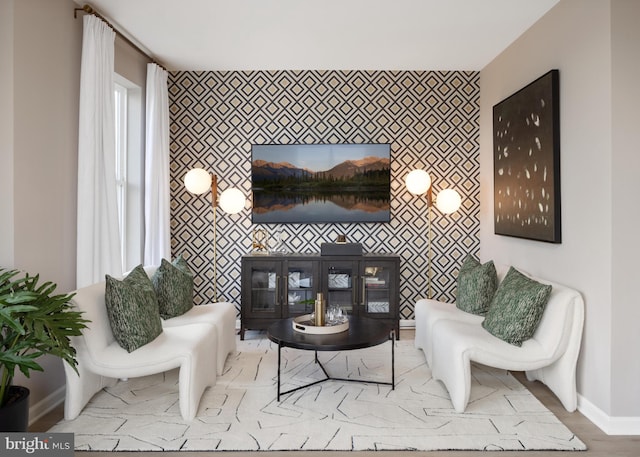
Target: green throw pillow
point(476, 286)
point(173, 283)
point(132, 308)
point(517, 308)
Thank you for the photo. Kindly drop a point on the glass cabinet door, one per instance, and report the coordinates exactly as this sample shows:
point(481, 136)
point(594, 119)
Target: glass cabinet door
point(377, 288)
point(301, 286)
point(340, 281)
point(264, 281)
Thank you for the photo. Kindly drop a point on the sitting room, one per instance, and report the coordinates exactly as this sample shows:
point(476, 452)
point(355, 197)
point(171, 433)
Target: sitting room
point(323, 226)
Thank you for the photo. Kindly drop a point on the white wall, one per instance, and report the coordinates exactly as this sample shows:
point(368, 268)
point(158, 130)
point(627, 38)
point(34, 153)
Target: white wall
point(576, 38)
point(47, 52)
point(625, 343)
point(6, 133)
point(46, 74)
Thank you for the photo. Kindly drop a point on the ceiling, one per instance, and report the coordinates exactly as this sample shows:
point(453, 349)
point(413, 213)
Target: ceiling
point(322, 34)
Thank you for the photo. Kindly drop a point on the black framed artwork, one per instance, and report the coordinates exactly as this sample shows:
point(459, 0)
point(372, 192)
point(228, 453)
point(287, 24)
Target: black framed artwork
point(526, 162)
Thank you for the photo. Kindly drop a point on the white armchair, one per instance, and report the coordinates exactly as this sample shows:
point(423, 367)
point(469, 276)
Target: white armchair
point(197, 343)
point(451, 339)
point(222, 315)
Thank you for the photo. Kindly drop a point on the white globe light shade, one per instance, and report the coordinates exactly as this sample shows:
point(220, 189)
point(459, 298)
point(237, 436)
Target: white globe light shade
point(197, 181)
point(418, 182)
point(448, 201)
point(231, 201)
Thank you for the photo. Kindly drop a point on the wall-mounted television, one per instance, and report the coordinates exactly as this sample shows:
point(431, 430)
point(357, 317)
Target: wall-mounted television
point(320, 183)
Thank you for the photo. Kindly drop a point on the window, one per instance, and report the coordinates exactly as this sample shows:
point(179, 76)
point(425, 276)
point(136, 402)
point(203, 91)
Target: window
point(121, 165)
point(129, 170)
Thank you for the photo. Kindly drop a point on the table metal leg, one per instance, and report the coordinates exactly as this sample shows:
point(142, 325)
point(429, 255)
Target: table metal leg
point(393, 361)
point(330, 378)
point(279, 357)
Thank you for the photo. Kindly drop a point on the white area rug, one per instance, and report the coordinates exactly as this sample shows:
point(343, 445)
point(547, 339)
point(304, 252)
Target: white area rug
point(241, 411)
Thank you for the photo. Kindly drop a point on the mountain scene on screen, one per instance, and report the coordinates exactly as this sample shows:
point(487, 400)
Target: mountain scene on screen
point(354, 185)
point(370, 171)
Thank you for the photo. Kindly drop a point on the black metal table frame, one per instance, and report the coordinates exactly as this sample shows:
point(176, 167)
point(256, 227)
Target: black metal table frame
point(330, 378)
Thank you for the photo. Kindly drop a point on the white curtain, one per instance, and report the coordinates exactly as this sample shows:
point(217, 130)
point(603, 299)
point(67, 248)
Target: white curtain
point(157, 243)
point(98, 245)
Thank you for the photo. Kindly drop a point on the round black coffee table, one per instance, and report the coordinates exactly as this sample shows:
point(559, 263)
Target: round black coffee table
point(362, 333)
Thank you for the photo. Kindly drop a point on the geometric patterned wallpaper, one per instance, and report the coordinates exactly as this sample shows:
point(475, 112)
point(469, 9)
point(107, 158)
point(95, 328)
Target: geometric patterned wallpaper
point(431, 120)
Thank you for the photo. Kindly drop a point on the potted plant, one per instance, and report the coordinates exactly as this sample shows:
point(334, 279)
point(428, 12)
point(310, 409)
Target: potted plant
point(33, 322)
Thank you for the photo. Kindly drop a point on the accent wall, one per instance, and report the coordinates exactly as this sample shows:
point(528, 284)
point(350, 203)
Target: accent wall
point(429, 118)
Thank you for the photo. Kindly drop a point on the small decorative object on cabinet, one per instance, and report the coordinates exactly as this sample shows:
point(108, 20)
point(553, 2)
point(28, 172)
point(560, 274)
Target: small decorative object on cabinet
point(286, 285)
point(341, 248)
point(260, 242)
point(279, 246)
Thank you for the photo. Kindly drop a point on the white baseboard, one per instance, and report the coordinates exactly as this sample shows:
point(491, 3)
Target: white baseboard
point(407, 323)
point(610, 425)
point(46, 404)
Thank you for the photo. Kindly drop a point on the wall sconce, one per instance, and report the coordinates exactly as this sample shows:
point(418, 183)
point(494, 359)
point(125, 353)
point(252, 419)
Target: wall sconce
point(448, 201)
point(231, 201)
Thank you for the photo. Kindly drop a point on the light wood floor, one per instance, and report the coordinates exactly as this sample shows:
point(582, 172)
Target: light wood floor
point(599, 444)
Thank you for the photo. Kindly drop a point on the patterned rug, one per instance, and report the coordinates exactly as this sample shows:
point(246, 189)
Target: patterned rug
point(241, 412)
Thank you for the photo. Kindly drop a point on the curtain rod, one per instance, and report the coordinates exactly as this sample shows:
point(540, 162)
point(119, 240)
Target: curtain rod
point(89, 10)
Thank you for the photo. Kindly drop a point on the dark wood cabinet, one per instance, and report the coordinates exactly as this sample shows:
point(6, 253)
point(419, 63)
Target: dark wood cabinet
point(285, 285)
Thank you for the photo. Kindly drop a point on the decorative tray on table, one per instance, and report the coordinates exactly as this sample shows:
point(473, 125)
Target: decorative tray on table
point(306, 324)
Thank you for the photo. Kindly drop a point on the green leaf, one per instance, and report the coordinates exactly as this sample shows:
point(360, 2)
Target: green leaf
point(34, 322)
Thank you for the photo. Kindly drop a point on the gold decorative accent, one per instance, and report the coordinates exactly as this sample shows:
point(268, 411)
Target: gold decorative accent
point(320, 310)
point(260, 241)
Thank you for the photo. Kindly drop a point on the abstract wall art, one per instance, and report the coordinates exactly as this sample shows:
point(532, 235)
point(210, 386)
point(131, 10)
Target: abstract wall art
point(526, 160)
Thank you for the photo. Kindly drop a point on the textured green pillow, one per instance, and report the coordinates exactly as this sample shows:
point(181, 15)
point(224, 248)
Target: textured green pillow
point(173, 283)
point(132, 308)
point(517, 308)
point(476, 285)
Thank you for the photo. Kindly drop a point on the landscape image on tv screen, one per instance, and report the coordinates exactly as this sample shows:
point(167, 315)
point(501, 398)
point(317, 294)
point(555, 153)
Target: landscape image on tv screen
point(320, 183)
